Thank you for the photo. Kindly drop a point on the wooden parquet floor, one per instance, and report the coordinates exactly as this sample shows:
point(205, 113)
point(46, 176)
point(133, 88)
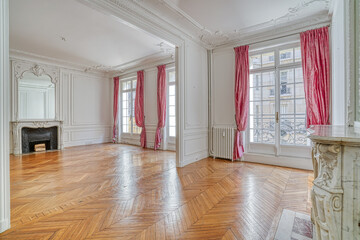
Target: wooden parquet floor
point(112, 191)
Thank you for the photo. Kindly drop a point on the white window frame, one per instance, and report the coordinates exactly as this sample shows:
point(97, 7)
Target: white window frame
point(276, 148)
point(170, 139)
point(122, 133)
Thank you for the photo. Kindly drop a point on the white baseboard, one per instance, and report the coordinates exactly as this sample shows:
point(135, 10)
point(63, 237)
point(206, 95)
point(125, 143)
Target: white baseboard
point(4, 225)
point(194, 158)
point(292, 162)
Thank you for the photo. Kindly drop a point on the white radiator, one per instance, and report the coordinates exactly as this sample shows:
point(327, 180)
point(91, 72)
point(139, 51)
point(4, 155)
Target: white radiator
point(223, 142)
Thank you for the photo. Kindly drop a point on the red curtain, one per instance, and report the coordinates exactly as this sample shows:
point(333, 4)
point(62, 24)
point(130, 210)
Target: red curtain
point(316, 70)
point(115, 109)
point(161, 103)
point(241, 97)
point(139, 107)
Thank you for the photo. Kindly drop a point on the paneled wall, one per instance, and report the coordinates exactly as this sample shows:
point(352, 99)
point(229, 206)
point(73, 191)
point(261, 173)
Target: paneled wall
point(195, 99)
point(86, 108)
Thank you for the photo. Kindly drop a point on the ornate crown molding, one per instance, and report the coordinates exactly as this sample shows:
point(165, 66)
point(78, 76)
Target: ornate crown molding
point(217, 38)
point(20, 67)
point(166, 53)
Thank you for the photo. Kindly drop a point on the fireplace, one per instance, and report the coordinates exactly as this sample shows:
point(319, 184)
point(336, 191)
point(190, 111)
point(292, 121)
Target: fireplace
point(33, 136)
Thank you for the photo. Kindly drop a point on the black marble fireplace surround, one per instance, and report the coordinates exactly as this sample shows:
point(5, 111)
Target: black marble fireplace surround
point(32, 136)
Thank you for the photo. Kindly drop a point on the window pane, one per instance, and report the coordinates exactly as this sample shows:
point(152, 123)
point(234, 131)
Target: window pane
point(301, 138)
point(255, 135)
point(172, 100)
point(297, 54)
point(125, 128)
point(286, 56)
point(125, 112)
point(286, 91)
point(268, 59)
point(268, 93)
point(172, 131)
point(125, 104)
point(255, 122)
point(255, 62)
point(268, 107)
point(300, 106)
point(124, 96)
point(300, 123)
point(255, 109)
point(299, 90)
point(172, 76)
point(268, 136)
point(286, 76)
point(172, 90)
point(287, 106)
point(126, 85)
point(268, 123)
point(134, 84)
point(255, 94)
point(298, 75)
point(172, 121)
point(171, 110)
point(287, 130)
point(255, 80)
point(268, 78)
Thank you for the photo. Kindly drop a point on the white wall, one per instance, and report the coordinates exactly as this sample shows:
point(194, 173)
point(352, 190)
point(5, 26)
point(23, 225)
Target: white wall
point(195, 101)
point(4, 117)
point(338, 83)
point(86, 107)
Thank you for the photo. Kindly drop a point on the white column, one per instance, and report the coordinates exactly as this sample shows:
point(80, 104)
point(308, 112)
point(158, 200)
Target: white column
point(4, 117)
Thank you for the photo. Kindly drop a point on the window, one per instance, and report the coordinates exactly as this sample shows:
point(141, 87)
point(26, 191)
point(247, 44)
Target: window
point(277, 99)
point(128, 90)
point(172, 103)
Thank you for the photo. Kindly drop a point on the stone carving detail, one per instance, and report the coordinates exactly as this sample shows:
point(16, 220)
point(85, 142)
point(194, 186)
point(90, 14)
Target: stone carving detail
point(326, 213)
point(20, 67)
point(40, 124)
point(336, 202)
point(37, 70)
point(326, 157)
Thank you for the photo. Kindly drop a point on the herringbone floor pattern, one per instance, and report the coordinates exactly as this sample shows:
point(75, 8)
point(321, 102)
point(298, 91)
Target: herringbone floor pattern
point(112, 191)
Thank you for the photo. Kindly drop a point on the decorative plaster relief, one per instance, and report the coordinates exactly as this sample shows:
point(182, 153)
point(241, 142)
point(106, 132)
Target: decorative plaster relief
point(327, 159)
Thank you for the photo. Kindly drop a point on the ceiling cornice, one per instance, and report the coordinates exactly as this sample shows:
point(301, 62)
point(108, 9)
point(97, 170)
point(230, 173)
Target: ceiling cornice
point(143, 65)
point(217, 38)
point(22, 55)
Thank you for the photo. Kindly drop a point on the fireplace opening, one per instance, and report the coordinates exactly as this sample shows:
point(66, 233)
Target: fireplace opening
point(34, 136)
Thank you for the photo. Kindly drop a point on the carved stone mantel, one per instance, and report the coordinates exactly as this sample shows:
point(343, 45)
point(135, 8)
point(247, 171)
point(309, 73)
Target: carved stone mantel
point(335, 194)
point(16, 127)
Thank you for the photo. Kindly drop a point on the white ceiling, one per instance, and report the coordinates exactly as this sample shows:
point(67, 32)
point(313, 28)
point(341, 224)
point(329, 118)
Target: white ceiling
point(91, 37)
point(231, 15)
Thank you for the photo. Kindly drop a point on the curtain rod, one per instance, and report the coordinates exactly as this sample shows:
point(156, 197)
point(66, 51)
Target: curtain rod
point(288, 35)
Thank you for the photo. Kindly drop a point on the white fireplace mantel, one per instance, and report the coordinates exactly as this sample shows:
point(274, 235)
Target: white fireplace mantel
point(335, 194)
point(18, 125)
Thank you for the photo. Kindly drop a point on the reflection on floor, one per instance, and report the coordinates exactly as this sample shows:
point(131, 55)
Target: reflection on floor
point(112, 191)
